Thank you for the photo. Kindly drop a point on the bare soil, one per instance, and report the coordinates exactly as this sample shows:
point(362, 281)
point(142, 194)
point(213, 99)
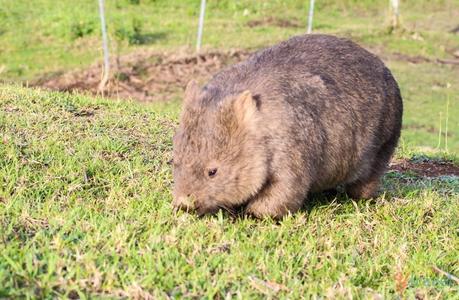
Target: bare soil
point(159, 76)
point(270, 21)
point(146, 76)
point(426, 168)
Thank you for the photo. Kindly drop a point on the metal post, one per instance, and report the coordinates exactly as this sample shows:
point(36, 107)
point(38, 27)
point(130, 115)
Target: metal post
point(201, 25)
point(106, 71)
point(311, 15)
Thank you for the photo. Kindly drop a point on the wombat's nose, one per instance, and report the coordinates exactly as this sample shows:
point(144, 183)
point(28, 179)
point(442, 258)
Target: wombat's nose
point(183, 202)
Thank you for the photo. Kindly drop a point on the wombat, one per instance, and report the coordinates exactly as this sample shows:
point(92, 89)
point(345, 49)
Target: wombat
point(306, 115)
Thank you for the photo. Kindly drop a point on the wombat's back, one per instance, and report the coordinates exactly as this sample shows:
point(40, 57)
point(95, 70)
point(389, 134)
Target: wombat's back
point(327, 97)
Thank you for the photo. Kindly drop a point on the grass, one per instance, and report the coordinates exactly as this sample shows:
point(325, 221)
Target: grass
point(430, 95)
point(54, 36)
point(85, 212)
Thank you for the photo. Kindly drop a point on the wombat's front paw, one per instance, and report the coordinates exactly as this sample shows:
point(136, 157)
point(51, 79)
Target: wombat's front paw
point(266, 209)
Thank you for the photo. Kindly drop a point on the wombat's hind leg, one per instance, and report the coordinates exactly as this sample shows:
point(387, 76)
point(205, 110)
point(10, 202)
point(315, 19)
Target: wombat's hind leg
point(363, 189)
point(367, 187)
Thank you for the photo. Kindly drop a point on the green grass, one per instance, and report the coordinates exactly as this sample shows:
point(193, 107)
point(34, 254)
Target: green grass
point(431, 105)
point(85, 212)
point(53, 36)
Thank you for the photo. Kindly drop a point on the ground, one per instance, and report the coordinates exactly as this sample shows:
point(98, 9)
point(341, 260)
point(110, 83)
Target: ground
point(85, 185)
point(85, 210)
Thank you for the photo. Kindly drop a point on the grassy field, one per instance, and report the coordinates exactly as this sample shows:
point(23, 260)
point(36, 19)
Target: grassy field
point(53, 36)
point(85, 188)
point(85, 212)
point(56, 36)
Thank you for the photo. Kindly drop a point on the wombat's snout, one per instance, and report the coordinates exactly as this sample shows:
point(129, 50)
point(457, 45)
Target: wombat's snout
point(185, 202)
point(189, 203)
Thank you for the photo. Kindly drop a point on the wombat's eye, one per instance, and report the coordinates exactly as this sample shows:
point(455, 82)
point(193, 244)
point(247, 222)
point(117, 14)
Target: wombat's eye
point(212, 172)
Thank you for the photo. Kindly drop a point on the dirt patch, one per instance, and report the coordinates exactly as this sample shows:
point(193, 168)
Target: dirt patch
point(386, 55)
point(411, 59)
point(151, 75)
point(270, 21)
point(426, 128)
point(421, 59)
point(417, 59)
point(146, 76)
point(426, 168)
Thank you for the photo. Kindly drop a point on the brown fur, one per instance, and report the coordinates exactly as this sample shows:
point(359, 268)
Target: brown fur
point(305, 115)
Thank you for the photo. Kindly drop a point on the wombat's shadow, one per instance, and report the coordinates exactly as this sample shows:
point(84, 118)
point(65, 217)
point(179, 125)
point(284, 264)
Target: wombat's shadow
point(394, 185)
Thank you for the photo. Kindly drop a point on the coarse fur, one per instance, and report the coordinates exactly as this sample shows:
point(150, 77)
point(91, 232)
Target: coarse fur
point(306, 115)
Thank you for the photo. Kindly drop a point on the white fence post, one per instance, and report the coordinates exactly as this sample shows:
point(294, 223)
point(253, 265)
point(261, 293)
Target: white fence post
point(201, 25)
point(106, 70)
point(311, 15)
point(395, 8)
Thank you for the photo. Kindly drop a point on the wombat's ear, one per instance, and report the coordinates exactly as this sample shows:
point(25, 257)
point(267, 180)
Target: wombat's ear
point(245, 106)
point(191, 92)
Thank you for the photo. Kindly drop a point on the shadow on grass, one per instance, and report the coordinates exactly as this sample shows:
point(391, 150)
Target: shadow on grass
point(147, 38)
point(394, 185)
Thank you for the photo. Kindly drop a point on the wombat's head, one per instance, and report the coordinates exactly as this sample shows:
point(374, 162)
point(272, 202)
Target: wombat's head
point(219, 159)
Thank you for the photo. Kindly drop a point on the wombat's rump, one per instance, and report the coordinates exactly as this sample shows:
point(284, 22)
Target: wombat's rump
point(308, 114)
